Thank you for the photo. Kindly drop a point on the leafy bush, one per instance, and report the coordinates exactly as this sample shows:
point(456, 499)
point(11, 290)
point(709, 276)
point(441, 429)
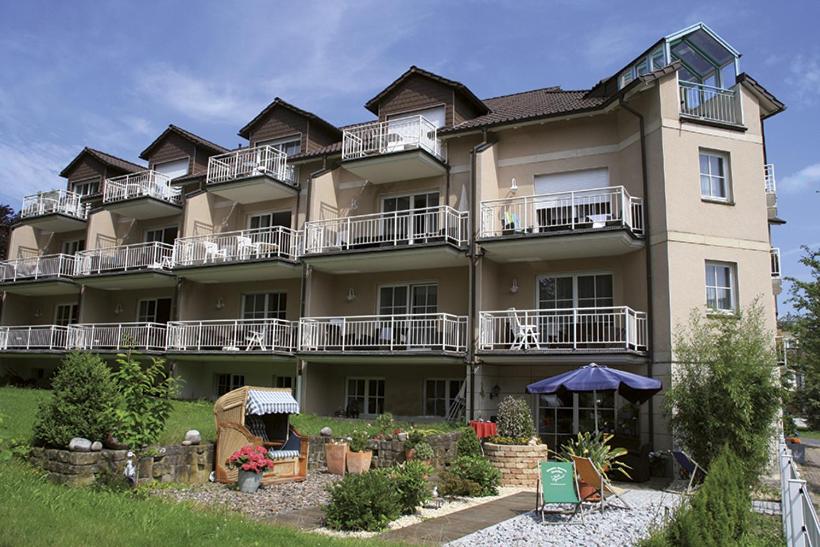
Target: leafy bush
point(477, 470)
point(453, 485)
point(498, 439)
point(11, 447)
point(385, 423)
point(365, 502)
point(468, 444)
point(359, 440)
point(424, 451)
point(414, 437)
point(410, 479)
point(515, 418)
point(595, 446)
point(145, 400)
point(83, 400)
point(724, 388)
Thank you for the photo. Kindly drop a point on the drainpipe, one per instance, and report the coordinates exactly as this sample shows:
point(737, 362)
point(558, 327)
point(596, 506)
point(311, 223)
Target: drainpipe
point(650, 331)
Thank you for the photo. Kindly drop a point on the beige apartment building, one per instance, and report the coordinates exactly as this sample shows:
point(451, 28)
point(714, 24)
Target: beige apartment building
point(427, 262)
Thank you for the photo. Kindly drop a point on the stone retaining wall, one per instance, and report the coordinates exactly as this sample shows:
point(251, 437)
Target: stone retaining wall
point(188, 464)
point(389, 453)
point(518, 463)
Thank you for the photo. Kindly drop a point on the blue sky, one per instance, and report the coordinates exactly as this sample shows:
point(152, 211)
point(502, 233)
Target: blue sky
point(112, 75)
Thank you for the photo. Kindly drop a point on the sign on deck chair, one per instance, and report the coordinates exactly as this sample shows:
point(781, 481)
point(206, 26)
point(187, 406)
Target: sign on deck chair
point(557, 485)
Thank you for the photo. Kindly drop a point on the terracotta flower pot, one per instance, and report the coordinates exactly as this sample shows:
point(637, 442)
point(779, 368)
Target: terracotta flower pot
point(335, 455)
point(410, 454)
point(359, 462)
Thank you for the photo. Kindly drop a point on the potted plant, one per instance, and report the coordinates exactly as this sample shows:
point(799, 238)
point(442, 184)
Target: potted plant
point(414, 437)
point(335, 456)
point(359, 457)
point(595, 446)
point(424, 452)
point(251, 461)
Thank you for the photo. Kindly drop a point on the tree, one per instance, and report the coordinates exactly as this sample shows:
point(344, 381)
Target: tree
point(805, 298)
point(7, 218)
point(725, 387)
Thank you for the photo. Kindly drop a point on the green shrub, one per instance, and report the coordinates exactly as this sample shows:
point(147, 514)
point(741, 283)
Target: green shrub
point(424, 451)
point(385, 423)
point(478, 470)
point(414, 437)
point(453, 485)
point(468, 444)
point(145, 400)
point(359, 440)
point(498, 439)
point(365, 502)
point(410, 480)
point(83, 400)
point(515, 418)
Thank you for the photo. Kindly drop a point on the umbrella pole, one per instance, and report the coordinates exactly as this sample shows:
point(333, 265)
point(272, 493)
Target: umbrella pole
point(595, 408)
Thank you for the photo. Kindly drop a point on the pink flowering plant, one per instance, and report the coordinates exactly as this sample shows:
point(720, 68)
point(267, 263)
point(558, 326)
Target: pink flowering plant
point(250, 458)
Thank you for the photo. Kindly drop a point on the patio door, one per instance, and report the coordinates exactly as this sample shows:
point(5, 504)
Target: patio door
point(155, 310)
point(563, 415)
point(412, 220)
point(162, 235)
point(408, 305)
point(559, 325)
point(366, 395)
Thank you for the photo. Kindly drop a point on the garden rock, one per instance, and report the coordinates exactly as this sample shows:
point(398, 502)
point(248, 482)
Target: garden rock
point(193, 436)
point(186, 442)
point(96, 446)
point(78, 444)
point(326, 432)
point(402, 436)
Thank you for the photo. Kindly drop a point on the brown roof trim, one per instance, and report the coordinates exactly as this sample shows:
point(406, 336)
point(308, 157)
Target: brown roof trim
point(371, 105)
point(281, 102)
point(778, 106)
point(105, 158)
point(185, 134)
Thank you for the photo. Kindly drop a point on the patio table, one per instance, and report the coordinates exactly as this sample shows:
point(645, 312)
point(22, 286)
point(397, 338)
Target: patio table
point(483, 429)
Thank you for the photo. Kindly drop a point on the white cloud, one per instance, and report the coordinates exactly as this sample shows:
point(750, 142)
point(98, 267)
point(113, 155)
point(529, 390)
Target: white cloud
point(31, 167)
point(807, 179)
point(804, 79)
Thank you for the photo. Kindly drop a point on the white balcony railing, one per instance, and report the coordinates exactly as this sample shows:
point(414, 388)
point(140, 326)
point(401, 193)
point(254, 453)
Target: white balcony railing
point(775, 259)
point(237, 246)
point(373, 139)
point(709, 103)
point(117, 336)
point(542, 213)
point(565, 329)
point(416, 332)
point(55, 201)
point(248, 335)
point(250, 162)
point(152, 255)
point(37, 267)
point(769, 180)
point(393, 229)
point(143, 184)
point(50, 337)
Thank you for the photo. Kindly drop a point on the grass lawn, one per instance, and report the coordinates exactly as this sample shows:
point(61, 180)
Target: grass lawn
point(20, 407)
point(809, 434)
point(36, 512)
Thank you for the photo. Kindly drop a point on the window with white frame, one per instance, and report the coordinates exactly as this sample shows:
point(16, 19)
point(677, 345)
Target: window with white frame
point(267, 220)
point(366, 394)
point(714, 175)
point(86, 187)
point(575, 291)
point(440, 394)
point(162, 235)
point(223, 383)
point(66, 314)
point(404, 299)
point(721, 283)
point(285, 382)
point(271, 305)
point(72, 247)
point(154, 310)
point(174, 168)
point(289, 145)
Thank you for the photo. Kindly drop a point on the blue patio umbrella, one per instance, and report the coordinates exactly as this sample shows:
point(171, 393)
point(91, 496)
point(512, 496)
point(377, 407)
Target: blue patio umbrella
point(593, 378)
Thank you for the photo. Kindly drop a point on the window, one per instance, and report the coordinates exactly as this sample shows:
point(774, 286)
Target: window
point(436, 115)
point(720, 286)
point(228, 382)
point(289, 145)
point(173, 169)
point(404, 299)
point(66, 314)
point(264, 305)
point(163, 235)
point(424, 223)
point(562, 415)
point(73, 247)
point(440, 394)
point(367, 394)
point(266, 220)
point(580, 291)
point(155, 310)
point(714, 180)
point(86, 187)
point(285, 382)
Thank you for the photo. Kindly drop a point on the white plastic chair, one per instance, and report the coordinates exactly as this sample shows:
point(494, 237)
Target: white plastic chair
point(246, 247)
point(526, 334)
point(256, 338)
point(212, 252)
point(598, 221)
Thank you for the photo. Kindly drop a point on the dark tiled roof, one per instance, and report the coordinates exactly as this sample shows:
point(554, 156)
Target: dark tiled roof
point(777, 105)
point(280, 102)
point(185, 134)
point(105, 158)
point(371, 105)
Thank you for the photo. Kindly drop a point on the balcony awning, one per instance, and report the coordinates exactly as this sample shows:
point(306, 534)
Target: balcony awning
point(260, 403)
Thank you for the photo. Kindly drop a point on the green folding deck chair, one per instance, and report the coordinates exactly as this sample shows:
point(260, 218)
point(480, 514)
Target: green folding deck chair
point(557, 485)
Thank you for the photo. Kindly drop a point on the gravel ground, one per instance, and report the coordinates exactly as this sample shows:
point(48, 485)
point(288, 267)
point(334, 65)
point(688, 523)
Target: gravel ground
point(276, 498)
point(615, 526)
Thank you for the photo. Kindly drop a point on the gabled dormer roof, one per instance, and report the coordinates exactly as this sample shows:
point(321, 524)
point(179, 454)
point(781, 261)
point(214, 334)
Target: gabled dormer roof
point(463, 90)
point(185, 134)
point(105, 159)
point(278, 102)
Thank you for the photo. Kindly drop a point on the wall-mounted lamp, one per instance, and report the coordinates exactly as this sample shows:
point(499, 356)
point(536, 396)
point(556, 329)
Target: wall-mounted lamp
point(514, 287)
point(37, 313)
point(495, 391)
point(514, 186)
point(351, 294)
point(354, 204)
point(118, 309)
point(220, 303)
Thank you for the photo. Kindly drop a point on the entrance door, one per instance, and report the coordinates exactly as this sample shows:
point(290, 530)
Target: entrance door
point(162, 235)
point(155, 310)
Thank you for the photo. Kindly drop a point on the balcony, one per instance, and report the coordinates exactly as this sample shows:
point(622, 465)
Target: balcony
point(34, 338)
point(419, 335)
point(401, 149)
point(710, 104)
point(137, 266)
point(775, 254)
point(770, 185)
point(115, 337)
point(433, 237)
point(612, 330)
point(597, 222)
point(143, 195)
point(54, 211)
point(39, 275)
point(251, 175)
point(243, 255)
point(240, 336)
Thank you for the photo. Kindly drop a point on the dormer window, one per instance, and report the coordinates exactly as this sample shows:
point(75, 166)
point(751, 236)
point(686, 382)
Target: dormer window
point(436, 115)
point(173, 169)
point(86, 187)
point(289, 145)
point(653, 61)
